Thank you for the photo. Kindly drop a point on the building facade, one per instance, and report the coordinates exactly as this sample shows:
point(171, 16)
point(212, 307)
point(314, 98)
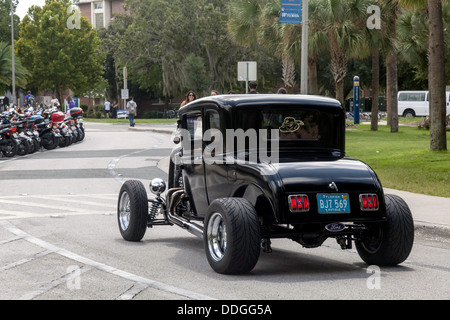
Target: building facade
point(100, 12)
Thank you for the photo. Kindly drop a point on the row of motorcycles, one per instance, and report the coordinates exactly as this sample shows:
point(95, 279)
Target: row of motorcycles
point(25, 133)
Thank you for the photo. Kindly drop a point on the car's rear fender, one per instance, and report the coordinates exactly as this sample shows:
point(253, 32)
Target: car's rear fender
point(265, 207)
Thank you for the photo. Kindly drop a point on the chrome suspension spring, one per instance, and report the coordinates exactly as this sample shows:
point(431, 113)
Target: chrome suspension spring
point(154, 209)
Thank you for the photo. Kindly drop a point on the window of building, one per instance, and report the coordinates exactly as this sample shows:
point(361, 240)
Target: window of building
point(99, 21)
point(98, 5)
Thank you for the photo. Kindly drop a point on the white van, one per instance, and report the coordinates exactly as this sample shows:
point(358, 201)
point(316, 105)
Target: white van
point(416, 103)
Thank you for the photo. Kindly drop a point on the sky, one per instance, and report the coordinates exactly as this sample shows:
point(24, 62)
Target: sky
point(23, 6)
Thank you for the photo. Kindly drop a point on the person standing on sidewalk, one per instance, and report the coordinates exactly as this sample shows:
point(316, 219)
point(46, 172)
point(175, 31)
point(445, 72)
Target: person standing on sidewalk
point(190, 96)
point(131, 111)
point(253, 86)
point(107, 108)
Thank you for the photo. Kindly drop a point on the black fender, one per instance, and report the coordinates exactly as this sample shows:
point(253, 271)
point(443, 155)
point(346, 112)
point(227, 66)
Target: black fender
point(263, 205)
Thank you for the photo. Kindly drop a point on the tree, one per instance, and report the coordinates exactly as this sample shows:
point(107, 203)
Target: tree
point(6, 68)
point(391, 69)
point(195, 73)
point(158, 41)
point(341, 21)
point(58, 55)
point(438, 141)
point(380, 40)
point(436, 72)
point(5, 21)
point(111, 38)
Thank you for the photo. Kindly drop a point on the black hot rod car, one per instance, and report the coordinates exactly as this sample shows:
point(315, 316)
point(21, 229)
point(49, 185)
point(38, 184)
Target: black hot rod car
point(251, 168)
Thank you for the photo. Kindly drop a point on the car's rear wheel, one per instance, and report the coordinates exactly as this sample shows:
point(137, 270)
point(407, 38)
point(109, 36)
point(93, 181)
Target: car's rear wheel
point(132, 210)
point(390, 242)
point(232, 236)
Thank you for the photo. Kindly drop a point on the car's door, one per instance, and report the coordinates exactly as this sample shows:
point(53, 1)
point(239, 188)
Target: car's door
point(192, 160)
point(216, 176)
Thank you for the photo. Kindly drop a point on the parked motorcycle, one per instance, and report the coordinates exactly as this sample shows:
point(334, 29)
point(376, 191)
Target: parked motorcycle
point(9, 145)
point(49, 139)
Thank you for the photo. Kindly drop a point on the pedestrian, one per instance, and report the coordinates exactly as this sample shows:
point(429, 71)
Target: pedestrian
point(114, 107)
point(214, 92)
point(231, 92)
point(55, 102)
point(107, 108)
point(281, 91)
point(253, 85)
point(70, 102)
point(131, 111)
point(29, 98)
point(5, 103)
point(190, 96)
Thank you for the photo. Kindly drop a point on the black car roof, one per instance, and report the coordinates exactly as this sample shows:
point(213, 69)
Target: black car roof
point(228, 101)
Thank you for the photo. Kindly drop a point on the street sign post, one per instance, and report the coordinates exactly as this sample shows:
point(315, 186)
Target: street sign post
point(247, 71)
point(125, 93)
point(291, 11)
point(296, 11)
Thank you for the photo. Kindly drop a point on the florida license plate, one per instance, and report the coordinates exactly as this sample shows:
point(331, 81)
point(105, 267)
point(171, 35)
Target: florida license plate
point(333, 203)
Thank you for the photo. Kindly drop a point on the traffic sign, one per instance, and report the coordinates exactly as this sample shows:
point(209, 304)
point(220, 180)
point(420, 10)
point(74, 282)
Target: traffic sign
point(291, 11)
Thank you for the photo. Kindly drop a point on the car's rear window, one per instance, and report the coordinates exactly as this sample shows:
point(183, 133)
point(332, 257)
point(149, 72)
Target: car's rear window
point(296, 127)
point(292, 124)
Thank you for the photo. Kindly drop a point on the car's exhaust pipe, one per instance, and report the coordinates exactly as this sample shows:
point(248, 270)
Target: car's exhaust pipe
point(174, 198)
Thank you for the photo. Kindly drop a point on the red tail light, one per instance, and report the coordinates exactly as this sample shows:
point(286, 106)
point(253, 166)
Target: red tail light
point(369, 202)
point(298, 203)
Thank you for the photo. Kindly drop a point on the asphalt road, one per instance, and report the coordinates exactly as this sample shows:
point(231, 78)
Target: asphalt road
point(59, 239)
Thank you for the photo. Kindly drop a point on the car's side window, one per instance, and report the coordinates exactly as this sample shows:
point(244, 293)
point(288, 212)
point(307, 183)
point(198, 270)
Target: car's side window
point(213, 120)
point(194, 125)
point(212, 126)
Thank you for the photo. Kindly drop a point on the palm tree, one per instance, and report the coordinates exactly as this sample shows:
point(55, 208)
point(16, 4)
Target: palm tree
point(390, 14)
point(341, 21)
point(438, 141)
point(6, 68)
point(436, 72)
point(378, 42)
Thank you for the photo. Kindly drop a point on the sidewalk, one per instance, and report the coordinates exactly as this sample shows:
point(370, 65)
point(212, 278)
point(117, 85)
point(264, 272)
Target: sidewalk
point(428, 212)
point(168, 128)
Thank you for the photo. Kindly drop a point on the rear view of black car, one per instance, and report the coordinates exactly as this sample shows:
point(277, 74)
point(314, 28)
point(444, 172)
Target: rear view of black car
point(251, 168)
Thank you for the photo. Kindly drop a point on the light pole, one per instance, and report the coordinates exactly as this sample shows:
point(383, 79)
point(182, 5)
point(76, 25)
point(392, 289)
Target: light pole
point(304, 58)
point(13, 57)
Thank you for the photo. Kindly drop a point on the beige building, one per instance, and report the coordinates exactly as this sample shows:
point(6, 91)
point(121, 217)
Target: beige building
point(100, 12)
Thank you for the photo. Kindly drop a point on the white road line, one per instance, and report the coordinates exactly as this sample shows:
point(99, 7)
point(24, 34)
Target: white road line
point(25, 260)
point(77, 201)
point(49, 206)
point(133, 291)
point(98, 265)
point(53, 284)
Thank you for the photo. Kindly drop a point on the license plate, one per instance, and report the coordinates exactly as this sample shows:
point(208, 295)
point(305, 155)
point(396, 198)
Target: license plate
point(333, 203)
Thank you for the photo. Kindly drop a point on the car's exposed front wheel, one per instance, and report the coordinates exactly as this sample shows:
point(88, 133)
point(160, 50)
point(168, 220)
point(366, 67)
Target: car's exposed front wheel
point(390, 242)
point(232, 236)
point(132, 210)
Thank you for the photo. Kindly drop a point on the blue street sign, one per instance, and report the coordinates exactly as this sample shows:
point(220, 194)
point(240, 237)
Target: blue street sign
point(291, 11)
point(356, 99)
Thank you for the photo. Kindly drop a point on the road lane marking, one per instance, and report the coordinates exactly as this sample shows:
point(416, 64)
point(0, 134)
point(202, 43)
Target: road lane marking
point(97, 265)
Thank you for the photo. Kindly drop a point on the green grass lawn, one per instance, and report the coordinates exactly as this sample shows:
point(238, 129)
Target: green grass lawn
point(402, 160)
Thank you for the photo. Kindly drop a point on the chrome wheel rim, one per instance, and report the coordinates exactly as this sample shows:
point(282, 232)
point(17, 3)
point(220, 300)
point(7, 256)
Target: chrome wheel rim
point(124, 211)
point(217, 236)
